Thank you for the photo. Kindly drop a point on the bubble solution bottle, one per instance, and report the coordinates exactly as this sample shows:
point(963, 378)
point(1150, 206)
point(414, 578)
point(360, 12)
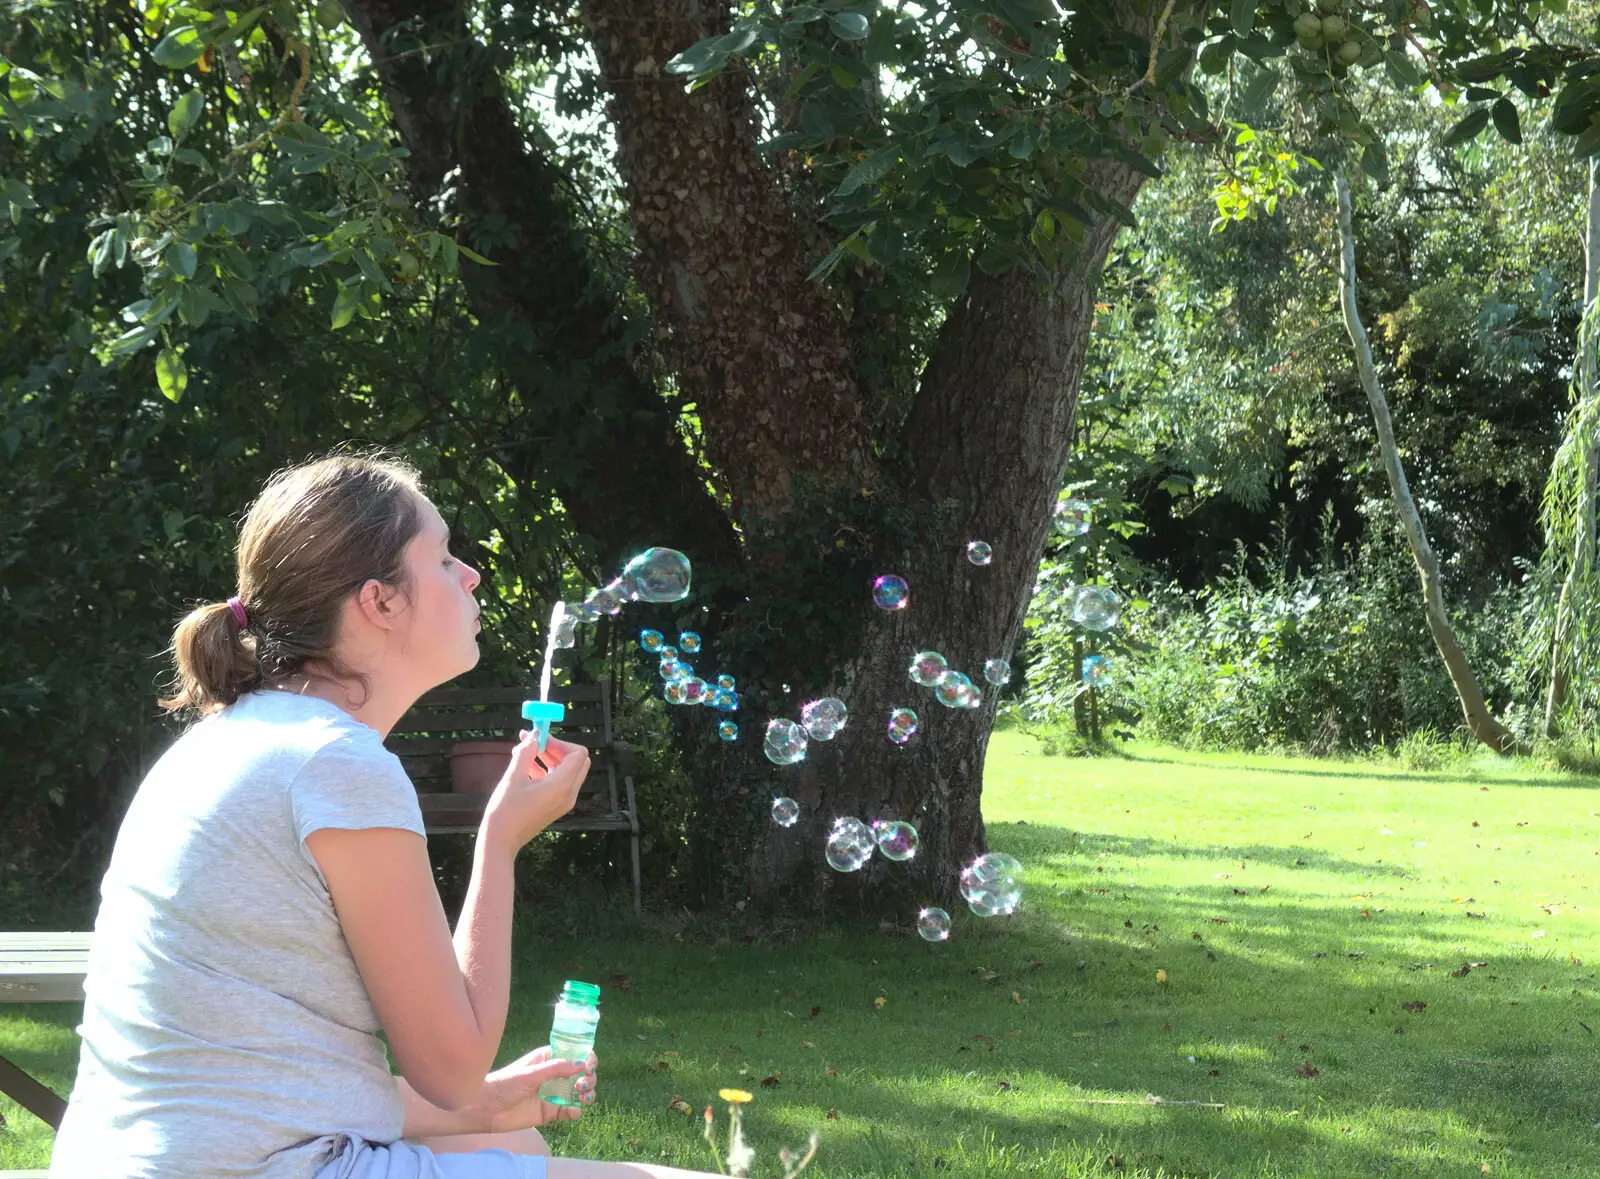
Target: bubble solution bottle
point(571, 1037)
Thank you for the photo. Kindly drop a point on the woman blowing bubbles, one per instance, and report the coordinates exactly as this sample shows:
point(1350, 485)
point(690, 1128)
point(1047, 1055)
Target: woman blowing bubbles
point(269, 906)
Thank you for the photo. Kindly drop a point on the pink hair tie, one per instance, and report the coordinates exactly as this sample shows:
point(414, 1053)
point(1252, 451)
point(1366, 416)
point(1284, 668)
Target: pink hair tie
point(239, 614)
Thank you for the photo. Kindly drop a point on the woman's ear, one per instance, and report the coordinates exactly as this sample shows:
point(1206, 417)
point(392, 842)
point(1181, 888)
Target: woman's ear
point(379, 604)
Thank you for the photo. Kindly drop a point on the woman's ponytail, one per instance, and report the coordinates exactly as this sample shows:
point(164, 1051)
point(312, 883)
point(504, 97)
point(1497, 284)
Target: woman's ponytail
point(216, 660)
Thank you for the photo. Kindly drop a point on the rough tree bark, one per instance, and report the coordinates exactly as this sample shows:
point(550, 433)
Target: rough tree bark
point(1480, 721)
point(1583, 541)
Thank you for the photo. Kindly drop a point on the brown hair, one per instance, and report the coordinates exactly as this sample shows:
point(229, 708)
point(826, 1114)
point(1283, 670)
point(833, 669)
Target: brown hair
point(316, 533)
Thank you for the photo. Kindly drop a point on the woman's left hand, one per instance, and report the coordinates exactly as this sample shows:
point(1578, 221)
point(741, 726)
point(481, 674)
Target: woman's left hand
point(511, 1094)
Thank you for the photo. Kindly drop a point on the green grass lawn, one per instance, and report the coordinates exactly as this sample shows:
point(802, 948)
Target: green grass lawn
point(1303, 913)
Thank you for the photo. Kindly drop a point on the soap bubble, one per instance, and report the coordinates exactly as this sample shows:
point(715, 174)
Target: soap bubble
point(1073, 516)
point(675, 692)
point(728, 731)
point(997, 672)
point(896, 839)
point(927, 667)
point(668, 652)
point(933, 925)
point(608, 599)
point(971, 698)
point(1096, 671)
point(566, 632)
point(651, 640)
point(675, 669)
point(725, 681)
point(992, 884)
point(979, 552)
point(694, 689)
point(1096, 607)
point(824, 718)
point(850, 845)
point(902, 725)
point(891, 592)
point(727, 700)
point(656, 575)
point(688, 642)
point(584, 611)
point(785, 743)
point(953, 689)
point(785, 811)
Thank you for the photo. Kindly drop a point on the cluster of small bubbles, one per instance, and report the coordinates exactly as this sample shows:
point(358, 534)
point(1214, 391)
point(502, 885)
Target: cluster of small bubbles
point(979, 552)
point(850, 845)
point(902, 725)
point(997, 672)
point(728, 731)
point(1096, 670)
point(785, 742)
point(891, 592)
point(1096, 607)
point(688, 642)
point(687, 690)
point(1073, 516)
point(896, 839)
point(933, 925)
point(992, 884)
point(927, 667)
point(725, 681)
point(785, 811)
point(652, 641)
point(824, 718)
point(955, 689)
point(673, 668)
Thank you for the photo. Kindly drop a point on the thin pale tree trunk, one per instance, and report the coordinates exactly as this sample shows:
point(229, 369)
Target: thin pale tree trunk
point(1584, 528)
point(1480, 721)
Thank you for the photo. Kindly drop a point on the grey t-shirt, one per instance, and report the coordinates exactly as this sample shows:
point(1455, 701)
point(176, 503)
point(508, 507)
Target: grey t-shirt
point(226, 1030)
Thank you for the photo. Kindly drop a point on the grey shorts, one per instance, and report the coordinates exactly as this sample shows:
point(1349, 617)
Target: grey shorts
point(405, 1160)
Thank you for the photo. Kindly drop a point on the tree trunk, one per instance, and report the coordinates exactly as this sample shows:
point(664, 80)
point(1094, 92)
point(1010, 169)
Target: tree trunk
point(1583, 542)
point(1480, 722)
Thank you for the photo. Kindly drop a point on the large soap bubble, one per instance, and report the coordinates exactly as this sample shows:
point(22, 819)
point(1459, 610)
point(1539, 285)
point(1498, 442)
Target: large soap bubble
point(891, 592)
point(785, 811)
point(896, 839)
point(656, 575)
point(992, 884)
point(927, 667)
point(824, 718)
point(785, 742)
point(1073, 516)
point(953, 689)
point(850, 845)
point(1096, 607)
point(933, 925)
point(997, 672)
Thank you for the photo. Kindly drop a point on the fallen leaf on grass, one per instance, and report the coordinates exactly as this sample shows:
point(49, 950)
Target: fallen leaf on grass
point(1308, 1070)
point(807, 1044)
point(663, 1064)
point(680, 1106)
point(833, 1115)
point(988, 976)
point(1013, 1033)
point(1015, 997)
point(833, 1072)
point(619, 982)
point(815, 1011)
point(879, 1002)
point(1161, 976)
point(1003, 1085)
point(770, 1082)
point(1414, 1005)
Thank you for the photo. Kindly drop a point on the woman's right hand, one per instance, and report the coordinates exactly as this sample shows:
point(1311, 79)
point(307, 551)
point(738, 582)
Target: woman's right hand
point(536, 790)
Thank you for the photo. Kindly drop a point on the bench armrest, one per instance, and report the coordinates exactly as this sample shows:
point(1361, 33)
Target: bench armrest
point(623, 756)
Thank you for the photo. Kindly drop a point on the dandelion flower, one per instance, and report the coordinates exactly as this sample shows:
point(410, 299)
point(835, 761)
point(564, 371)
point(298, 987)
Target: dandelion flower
point(734, 1096)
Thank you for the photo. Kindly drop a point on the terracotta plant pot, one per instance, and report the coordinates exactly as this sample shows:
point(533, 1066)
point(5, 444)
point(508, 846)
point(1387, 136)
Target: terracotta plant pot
point(476, 766)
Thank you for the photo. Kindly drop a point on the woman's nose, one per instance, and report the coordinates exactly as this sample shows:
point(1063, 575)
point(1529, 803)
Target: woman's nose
point(472, 578)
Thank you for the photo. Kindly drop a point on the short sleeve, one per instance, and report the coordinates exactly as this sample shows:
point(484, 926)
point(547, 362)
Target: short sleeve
point(353, 784)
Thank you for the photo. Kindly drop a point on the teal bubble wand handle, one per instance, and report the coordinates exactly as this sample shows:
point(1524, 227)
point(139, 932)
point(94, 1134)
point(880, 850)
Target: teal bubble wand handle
point(543, 713)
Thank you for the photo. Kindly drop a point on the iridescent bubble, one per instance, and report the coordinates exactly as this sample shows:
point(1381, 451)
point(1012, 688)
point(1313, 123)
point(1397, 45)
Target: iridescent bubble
point(1073, 516)
point(979, 552)
point(656, 575)
point(727, 700)
point(694, 689)
point(674, 669)
point(927, 667)
point(824, 718)
point(992, 884)
point(1096, 670)
point(725, 681)
point(651, 640)
point(850, 845)
point(608, 599)
point(728, 731)
point(933, 925)
point(668, 652)
point(971, 697)
point(896, 839)
point(997, 672)
point(1096, 607)
point(785, 811)
point(785, 743)
point(953, 689)
point(584, 611)
point(566, 632)
point(688, 642)
point(675, 692)
point(891, 592)
point(902, 725)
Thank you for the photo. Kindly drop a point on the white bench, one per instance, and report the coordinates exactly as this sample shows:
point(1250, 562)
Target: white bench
point(39, 968)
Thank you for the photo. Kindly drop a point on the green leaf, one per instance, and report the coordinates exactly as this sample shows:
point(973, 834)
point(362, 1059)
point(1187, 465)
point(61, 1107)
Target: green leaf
point(950, 275)
point(1588, 143)
point(182, 259)
point(1506, 121)
point(1139, 163)
point(849, 26)
point(180, 48)
point(185, 113)
point(1375, 162)
point(1402, 70)
point(1258, 90)
point(870, 170)
point(345, 306)
point(475, 256)
point(172, 375)
point(1467, 128)
point(1242, 15)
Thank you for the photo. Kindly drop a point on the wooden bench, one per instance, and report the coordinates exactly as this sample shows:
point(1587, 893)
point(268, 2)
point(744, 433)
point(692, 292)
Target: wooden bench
point(39, 968)
point(424, 736)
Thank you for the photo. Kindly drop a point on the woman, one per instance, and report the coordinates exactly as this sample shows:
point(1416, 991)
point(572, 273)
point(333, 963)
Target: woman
point(269, 905)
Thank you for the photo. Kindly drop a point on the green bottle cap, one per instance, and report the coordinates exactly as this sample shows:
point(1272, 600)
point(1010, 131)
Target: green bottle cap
point(580, 993)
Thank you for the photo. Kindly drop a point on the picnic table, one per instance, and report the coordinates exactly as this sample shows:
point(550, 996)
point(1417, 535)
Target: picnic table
point(39, 968)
